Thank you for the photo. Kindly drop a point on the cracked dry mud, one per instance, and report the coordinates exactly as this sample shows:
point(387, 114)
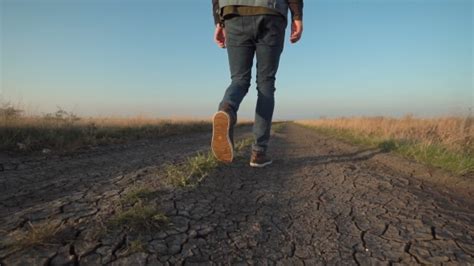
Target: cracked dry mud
point(321, 202)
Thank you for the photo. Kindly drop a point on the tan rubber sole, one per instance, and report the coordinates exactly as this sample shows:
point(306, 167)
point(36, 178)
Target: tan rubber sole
point(221, 144)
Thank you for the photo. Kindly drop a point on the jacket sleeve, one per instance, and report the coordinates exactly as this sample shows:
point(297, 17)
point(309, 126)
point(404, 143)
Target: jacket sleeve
point(215, 12)
point(296, 8)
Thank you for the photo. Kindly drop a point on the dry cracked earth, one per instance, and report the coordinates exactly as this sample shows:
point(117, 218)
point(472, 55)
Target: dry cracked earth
point(321, 202)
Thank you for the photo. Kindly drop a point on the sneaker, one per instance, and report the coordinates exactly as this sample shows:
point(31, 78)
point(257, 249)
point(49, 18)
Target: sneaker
point(259, 159)
point(222, 143)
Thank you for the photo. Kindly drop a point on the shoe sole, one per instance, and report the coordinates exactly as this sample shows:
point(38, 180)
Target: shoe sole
point(221, 144)
point(260, 165)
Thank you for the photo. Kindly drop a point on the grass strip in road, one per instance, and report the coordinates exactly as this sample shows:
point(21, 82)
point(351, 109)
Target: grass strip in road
point(199, 166)
point(141, 216)
point(243, 144)
point(277, 127)
point(192, 171)
point(137, 194)
point(431, 154)
point(135, 246)
point(136, 211)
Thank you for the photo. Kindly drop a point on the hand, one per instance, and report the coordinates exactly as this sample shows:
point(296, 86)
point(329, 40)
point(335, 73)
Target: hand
point(296, 30)
point(219, 36)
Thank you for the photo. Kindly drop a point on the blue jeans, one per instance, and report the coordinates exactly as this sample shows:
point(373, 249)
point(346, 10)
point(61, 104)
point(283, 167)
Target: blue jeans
point(247, 36)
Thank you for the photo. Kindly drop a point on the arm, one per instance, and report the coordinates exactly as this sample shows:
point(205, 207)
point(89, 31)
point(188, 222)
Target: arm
point(296, 8)
point(219, 33)
point(219, 36)
point(215, 12)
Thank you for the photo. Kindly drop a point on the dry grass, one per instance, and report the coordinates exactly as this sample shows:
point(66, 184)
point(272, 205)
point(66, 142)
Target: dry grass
point(63, 131)
point(455, 133)
point(447, 142)
point(41, 234)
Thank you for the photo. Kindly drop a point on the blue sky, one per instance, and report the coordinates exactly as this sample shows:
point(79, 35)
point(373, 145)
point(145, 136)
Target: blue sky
point(157, 58)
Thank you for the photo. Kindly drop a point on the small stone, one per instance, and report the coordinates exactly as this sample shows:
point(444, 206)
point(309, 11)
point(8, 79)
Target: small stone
point(21, 146)
point(192, 234)
point(46, 151)
point(205, 231)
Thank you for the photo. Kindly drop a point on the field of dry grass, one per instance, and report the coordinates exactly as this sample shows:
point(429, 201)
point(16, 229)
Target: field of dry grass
point(64, 131)
point(447, 142)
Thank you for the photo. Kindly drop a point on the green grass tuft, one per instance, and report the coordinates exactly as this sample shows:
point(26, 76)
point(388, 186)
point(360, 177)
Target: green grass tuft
point(192, 171)
point(135, 246)
point(197, 167)
point(277, 127)
point(138, 218)
point(137, 194)
point(243, 144)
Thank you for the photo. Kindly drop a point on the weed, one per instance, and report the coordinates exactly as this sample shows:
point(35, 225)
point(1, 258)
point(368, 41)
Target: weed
point(241, 145)
point(138, 218)
point(277, 127)
point(137, 194)
point(192, 171)
point(135, 246)
point(44, 233)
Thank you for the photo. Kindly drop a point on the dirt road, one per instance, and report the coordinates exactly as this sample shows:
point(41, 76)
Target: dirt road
point(321, 202)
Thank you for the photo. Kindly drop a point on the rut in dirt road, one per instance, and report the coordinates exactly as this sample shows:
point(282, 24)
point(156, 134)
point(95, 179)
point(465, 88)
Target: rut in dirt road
point(320, 202)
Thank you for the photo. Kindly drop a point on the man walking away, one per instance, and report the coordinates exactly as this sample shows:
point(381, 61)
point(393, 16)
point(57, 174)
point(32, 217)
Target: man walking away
point(249, 28)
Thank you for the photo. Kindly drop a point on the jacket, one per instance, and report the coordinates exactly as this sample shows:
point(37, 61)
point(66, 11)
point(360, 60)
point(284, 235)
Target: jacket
point(295, 6)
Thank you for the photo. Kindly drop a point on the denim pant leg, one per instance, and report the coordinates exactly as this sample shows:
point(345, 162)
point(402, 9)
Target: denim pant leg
point(240, 51)
point(268, 50)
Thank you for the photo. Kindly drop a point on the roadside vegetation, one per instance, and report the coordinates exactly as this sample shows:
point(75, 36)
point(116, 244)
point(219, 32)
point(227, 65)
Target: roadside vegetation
point(277, 127)
point(197, 167)
point(65, 131)
point(446, 142)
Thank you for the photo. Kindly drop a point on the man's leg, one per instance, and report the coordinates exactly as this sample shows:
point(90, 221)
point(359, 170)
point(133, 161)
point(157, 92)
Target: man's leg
point(240, 62)
point(269, 49)
point(240, 50)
